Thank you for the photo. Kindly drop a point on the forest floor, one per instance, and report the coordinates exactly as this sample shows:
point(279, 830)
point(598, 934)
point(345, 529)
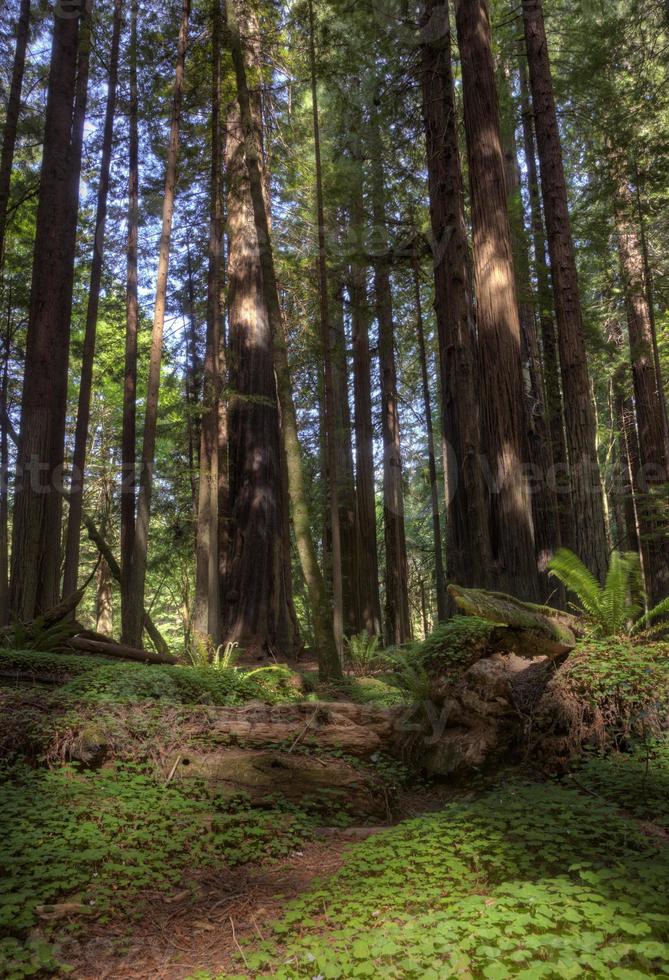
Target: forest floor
point(117, 869)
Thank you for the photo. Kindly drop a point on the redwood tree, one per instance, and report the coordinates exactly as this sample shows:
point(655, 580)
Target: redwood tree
point(589, 526)
point(504, 426)
point(38, 502)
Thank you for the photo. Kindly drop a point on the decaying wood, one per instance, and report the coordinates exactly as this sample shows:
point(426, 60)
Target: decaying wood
point(356, 729)
point(119, 650)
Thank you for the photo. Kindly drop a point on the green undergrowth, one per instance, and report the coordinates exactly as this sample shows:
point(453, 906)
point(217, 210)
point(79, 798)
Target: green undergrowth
point(526, 881)
point(87, 679)
point(100, 840)
point(637, 781)
point(624, 674)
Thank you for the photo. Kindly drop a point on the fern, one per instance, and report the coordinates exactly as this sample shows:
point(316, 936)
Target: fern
point(616, 607)
point(661, 612)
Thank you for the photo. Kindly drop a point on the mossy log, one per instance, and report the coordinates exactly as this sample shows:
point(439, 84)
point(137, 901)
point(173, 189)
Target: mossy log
point(533, 630)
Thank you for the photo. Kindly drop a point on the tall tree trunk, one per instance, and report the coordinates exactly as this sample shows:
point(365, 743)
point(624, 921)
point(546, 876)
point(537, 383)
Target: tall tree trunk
point(329, 663)
point(129, 433)
point(504, 426)
point(654, 473)
point(345, 472)
point(37, 514)
point(141, 541)
point(257, 611)
point(4, 472)
point(468, 556)
point(12, 117)
point(439, 578)
point(85, 385)
point(206, 618)
point(544, 497)
point(544, 300)
point(368, 562)
point(194, 377)
point(589, 526)
point(624, 426)
point(397, 615)
point(328, 379)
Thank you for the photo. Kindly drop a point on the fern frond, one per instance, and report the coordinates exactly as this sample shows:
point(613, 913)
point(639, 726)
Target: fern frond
point(570, 570)
point(660, 611)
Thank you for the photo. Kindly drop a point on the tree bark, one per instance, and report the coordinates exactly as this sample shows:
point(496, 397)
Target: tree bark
point(257, 612)
point(4, 473)
point(73, 539)
point(468, 556)
point(439, 577)
point(329, 663)
point(504, 426)
point(586, 490)
point(328, 378)
point(368, 562)
point(38, 506)
point(397, 614)
point(133, 632)
point(129, 433)
point(544, 497)
point(206, 618)
point(12, 117)
point(104, 618)
point(654, 474)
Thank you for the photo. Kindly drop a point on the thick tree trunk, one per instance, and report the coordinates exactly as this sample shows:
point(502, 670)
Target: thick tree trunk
point(329, 663)
point(654, 473)
point(589, 525)
point(206, 553)
point(12, 117)
point(397, 614)
point(331, 398)
point(467, 543)
point(38, 506)
point(439, 577)
point(544, 301)
point(133, 632)
point(4, 474)
point(129, 433)
point(194, 378)
point(368, 562)
point(504, 426)
point(624, 426)
point(544, 497)
point(73, 539)
point(257, 611)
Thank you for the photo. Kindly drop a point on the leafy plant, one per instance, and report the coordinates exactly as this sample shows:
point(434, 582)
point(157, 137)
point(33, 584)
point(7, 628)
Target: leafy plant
point(409, 675)
point(612, 609)
point(362, 653)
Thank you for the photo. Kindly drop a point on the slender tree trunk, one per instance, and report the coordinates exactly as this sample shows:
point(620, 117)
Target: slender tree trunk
point(368, 562)
point(4, 473)
point(328, 379)
point(654, 473)
point(37, 514)
point(329, 663)
point(129, 434)
point(544, 300)
point(504, 425)
point(345, 472)
point(104, 614)
point(590, 528)
point(625, 430)
point(398, 618)
point(206, 619)
point(194, 378)
point(141, 542)
point(85, 385)
point(12, 117)
point(439, 578)
point(468, 556)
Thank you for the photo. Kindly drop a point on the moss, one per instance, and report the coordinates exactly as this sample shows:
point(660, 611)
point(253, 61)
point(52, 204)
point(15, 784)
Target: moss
point(455, 643)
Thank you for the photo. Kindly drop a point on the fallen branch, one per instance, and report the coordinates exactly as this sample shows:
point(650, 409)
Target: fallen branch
point(120, 650)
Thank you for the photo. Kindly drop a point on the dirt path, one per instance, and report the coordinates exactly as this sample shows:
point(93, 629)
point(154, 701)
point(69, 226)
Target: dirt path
point(200, 927)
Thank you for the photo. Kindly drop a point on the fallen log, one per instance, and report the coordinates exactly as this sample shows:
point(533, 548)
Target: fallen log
point(111, 649)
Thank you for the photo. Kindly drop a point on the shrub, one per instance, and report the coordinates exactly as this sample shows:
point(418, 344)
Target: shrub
point(362, 653)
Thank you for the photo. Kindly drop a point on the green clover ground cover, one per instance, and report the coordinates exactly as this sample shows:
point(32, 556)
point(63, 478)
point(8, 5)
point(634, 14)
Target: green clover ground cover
point(527, 881)
point(101, 839)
